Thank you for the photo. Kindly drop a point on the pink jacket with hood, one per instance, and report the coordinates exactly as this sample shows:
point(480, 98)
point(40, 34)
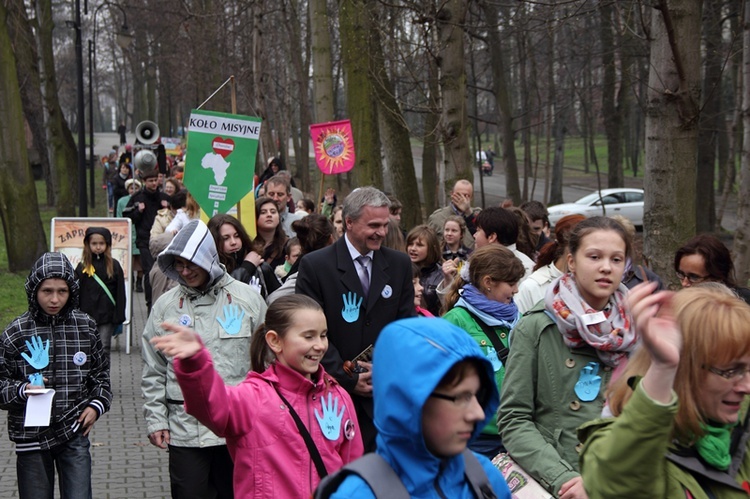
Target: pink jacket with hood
point(270, 457)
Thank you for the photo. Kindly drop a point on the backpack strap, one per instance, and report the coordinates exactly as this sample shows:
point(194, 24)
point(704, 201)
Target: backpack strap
point(386, 484)
point(477, 477)
point(502, 350)
point(371, 468)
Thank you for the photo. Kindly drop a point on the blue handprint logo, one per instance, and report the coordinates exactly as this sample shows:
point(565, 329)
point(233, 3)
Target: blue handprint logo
point(330, 422)
point(350, 312)
point(588, 385)
point(232, 322)
point(39, 358)
point(36, 379)
point(492, 357)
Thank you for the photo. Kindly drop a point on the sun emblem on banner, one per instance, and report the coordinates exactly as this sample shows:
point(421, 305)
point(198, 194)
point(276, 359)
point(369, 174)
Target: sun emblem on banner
point(335, 147)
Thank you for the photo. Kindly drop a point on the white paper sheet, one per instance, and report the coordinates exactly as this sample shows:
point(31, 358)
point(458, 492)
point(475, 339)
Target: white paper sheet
point(39, 407)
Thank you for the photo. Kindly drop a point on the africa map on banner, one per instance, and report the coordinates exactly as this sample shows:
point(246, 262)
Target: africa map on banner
point(220, 158)
point(334, 146)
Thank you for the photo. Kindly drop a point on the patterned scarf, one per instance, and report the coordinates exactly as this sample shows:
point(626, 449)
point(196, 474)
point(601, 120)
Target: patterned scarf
point(613, 338)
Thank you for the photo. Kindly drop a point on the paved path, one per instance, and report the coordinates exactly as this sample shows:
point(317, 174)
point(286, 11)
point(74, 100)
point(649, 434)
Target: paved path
point(125, 465)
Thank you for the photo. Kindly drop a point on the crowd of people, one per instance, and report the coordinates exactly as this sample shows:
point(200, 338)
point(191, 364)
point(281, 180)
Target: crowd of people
point(337, 350)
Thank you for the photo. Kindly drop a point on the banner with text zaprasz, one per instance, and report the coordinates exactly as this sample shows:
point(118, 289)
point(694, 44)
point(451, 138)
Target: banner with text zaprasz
point(220, 158)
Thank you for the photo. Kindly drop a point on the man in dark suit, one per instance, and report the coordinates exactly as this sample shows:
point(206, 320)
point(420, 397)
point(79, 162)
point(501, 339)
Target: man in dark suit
point(362, 288)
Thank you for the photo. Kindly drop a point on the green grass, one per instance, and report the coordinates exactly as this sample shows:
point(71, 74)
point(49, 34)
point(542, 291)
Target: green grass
point(13, 300)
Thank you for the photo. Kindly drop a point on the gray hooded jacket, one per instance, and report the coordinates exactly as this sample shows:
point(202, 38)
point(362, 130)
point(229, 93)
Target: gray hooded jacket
point(224, 314)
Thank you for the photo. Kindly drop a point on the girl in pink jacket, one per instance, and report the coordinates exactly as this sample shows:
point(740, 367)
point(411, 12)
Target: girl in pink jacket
point(257, 417)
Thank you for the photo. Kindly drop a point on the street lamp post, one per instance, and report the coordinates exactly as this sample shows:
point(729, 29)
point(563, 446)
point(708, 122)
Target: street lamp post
point(123, 39)
point(82, 208)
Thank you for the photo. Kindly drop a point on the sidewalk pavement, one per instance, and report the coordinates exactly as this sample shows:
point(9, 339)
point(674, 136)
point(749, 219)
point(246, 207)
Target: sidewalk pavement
point(125, 465)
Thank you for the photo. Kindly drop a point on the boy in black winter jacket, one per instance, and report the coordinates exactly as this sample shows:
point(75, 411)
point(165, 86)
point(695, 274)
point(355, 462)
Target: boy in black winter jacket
point(53, 345)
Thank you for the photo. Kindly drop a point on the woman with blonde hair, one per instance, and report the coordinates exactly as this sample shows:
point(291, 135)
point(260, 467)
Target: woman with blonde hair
point(678, 430)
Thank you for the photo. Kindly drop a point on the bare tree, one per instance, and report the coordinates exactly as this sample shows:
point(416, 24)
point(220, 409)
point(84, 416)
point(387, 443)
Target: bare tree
point(22, 225)
point(24, 48)
point(450, 19)
point(742, 235)
point(360, 93)
point(671, 130)
point(63, 155)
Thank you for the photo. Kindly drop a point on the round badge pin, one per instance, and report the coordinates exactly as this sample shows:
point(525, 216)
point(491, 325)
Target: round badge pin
point(387, 291)
point(185, 320)
point(349, 429)
point(79, 358)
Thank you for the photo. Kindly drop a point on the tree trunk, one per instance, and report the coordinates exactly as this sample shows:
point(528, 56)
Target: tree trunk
point(742, 235)
point(19, 210)
point(395, 136)
point(501, 89)
point(360, 92)
point(63, 153)
point(711, 117)
point(322, 71)
point(454, 130)
point(671, 131)
point(27, 67)
point(301, 69)
point(560, 130)
point(430, 176)
point(611, 113)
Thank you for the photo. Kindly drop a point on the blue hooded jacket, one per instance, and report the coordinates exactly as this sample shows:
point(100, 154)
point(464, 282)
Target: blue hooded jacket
point(411, 357)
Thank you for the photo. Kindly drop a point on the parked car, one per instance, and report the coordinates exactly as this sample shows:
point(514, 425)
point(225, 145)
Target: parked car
point(622, 201)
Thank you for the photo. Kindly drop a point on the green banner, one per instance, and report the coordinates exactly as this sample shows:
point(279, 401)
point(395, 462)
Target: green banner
point(220, 158)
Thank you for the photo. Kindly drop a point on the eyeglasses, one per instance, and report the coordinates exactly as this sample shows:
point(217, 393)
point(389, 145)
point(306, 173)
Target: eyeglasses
point(694, 279)
point(180, 267)
point(734, 375)
point(461, 400)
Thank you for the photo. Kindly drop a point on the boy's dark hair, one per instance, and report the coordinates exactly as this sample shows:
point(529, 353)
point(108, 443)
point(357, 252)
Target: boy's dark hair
point(536, 211)
point(498, 221)
point(313, 232)
point(179, 199)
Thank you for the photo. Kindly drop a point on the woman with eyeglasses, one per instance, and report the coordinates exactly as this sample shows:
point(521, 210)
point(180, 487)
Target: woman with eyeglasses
point(680, 428)
point(705, 258)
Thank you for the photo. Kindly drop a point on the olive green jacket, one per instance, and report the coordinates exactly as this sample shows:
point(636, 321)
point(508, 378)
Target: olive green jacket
point(539, 409)
point(629, 456)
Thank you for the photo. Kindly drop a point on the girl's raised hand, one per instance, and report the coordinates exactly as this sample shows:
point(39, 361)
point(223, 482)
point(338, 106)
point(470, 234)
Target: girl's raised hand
point(655, 322)
point(182, 344)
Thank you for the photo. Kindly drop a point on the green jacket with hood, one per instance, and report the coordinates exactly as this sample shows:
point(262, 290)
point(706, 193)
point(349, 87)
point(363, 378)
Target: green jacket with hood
point(211, 312)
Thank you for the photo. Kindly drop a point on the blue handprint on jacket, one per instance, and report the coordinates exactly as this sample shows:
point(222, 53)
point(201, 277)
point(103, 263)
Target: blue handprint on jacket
point(330, 422)
point(232, 322)
point(39, 358)
point(588, 385)
point(350, 312)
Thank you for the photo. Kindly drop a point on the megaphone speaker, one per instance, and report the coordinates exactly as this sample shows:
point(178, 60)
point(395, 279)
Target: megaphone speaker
point(145, 160)
point(147, 132)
